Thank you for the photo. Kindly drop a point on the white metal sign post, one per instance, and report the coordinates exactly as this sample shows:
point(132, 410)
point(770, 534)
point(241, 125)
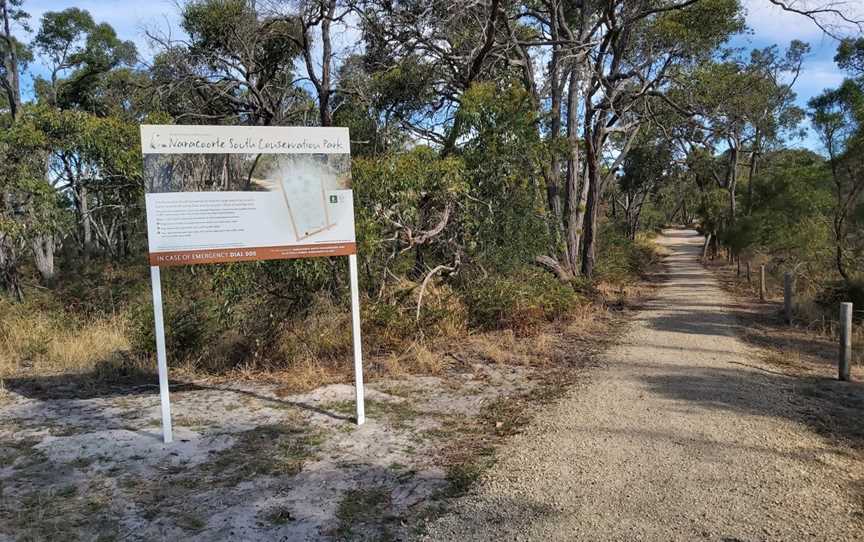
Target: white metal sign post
point(358, 350)
point(161, 358)
point(270, 193)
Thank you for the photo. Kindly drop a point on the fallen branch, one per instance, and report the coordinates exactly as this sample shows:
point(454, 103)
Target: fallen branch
point(550, 263)
point(426, 280)
point(438, 269)
point(705, 247)
point(424, 237)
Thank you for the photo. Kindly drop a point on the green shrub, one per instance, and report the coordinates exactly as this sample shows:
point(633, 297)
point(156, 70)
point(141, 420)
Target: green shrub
point(843, 292)
point(188, 327)
point(621, 260)
point(518, 301)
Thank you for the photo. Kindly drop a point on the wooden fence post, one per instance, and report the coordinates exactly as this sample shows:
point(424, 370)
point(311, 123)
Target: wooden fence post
point(762, 283)
point(845, 340)
point(787, 296)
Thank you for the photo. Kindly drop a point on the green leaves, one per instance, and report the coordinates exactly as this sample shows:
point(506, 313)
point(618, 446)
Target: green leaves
point(850, 57)
point(80, 54)
point(700, 28)
point(32, 206)
point(63, 33)
point(402, 191)
point(792, 195)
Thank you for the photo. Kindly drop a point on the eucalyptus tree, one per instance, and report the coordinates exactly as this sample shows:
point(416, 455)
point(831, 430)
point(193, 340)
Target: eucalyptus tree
point(14, 55)
point(646, 168)
point(83, 58)
point(236, 65)
point(314, 19)
point(776, 115)
point(850, 57)
point(838, 117)
point(435, 50)
point(738, 108)
point(13, 58)
point(34, 217)
point(425, 59)
point(620, 58)
point(639, 46)
point(78, 52)
point(724, 101)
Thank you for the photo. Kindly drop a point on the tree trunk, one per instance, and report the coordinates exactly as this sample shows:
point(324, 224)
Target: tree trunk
point(754, 156)
point(593, 145)
point(12, 85)
point(553, 187)
point(9, 277)
point(326, 60)
point(732, 181)
point(86, 226)
point(576, 198)
point(705, 247)
point(838, 257)
point(43, 254)
point(592, 212)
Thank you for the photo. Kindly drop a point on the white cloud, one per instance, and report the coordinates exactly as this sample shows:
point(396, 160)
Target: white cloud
point(817, 76)
point(128, 19)
point(771, 23)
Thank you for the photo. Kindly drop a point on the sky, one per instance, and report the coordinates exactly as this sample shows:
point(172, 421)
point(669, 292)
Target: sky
point(770, 25)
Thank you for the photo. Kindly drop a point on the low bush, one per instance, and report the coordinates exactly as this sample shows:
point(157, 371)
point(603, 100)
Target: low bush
point(518, 301)
point(621, 260)
point(838, 292)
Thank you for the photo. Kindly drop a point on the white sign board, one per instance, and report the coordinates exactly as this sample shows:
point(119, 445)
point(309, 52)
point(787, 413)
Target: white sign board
point(242, 193)
point(229, 193)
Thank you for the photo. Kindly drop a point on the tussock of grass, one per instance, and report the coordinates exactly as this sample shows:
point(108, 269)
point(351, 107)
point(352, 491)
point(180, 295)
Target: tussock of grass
point(360, 507)
point(520, 301)
point(59, 513)
point(50, 342)
point(323, 336)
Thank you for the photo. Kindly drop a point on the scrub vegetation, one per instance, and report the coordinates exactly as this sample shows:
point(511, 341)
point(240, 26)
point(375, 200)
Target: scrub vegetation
point(512, 162)
point(464, 229)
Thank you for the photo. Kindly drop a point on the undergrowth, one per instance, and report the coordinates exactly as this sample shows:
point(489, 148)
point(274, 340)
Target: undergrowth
point(298, 334)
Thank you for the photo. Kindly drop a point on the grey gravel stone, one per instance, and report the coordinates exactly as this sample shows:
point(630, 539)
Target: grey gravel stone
point(680, 436)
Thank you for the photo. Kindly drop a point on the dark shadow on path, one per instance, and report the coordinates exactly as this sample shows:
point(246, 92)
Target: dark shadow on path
point(831, 408)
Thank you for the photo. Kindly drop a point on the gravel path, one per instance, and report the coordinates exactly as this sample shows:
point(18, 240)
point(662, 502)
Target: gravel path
point(680, 436)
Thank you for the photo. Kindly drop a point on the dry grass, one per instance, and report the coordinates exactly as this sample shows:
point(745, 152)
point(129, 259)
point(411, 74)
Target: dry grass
point(41, 342)
point(323, 336)
point(419, 358)
point(41, 337)
point(808, 347)
point(548, 346)
point(507, 375)
point(422, 360)
point(496, 346)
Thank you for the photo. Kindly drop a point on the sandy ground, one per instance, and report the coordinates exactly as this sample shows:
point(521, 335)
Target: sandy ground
point(248, 463)
point(683, 435)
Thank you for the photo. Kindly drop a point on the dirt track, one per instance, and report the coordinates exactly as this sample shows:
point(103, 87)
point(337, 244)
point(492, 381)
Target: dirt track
point(683, 435)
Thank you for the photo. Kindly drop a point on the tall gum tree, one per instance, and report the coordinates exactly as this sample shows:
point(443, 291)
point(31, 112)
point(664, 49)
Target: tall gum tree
point(13, 57)
point(638, 48)
point(838, 117)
